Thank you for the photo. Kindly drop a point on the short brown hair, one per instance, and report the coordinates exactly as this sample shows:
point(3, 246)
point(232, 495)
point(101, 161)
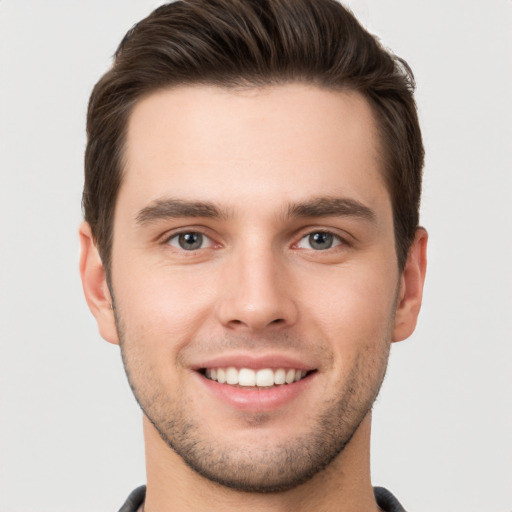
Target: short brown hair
point(234, 43)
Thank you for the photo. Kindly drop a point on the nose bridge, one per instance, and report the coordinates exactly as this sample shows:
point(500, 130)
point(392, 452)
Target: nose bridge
point(254, 293)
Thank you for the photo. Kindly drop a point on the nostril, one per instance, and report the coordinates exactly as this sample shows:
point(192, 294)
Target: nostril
point(277, 321)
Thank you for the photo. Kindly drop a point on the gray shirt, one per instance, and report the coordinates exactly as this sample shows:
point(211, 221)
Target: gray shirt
point(386, 501)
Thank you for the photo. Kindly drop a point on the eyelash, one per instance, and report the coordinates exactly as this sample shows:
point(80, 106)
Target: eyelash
point(168, 239)
point(337, 240)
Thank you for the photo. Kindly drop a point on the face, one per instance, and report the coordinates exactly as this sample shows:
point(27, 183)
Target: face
point(254, 276)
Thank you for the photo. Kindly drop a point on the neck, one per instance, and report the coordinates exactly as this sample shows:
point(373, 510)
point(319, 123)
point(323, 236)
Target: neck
point(343, 486)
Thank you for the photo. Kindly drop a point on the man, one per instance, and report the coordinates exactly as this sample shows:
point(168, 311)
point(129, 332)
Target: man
point(251, 241)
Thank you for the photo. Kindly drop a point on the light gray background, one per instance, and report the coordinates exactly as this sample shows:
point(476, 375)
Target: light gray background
point(70, 436)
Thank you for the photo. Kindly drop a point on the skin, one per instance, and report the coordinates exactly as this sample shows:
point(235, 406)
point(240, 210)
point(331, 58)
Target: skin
point(278, 164)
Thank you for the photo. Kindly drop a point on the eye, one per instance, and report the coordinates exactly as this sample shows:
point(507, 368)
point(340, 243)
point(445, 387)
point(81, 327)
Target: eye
point(319, 241)
point(189, 241)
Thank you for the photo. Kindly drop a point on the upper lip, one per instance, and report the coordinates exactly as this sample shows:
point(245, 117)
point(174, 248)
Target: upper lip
point(254, 362)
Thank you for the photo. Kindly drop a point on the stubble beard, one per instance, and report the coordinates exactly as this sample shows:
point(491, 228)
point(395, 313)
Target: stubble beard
point(269, 469)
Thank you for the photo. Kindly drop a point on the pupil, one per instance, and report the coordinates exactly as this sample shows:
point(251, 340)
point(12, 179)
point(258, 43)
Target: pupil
point(320, 240)
point(190, 241)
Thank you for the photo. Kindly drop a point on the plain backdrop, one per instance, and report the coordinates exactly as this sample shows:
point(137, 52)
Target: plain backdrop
point(70, 431)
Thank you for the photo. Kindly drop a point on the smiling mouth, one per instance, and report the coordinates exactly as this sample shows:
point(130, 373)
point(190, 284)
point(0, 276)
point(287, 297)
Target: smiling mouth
point(249, 378)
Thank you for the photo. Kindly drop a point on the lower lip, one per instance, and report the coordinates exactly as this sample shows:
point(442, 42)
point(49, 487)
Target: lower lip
point(256, 399)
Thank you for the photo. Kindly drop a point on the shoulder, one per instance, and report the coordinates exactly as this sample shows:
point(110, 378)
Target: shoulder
point(134, 500)
point(386, 501)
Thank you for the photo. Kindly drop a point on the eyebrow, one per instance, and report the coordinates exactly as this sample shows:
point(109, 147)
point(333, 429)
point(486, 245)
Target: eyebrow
point(176, 208)
point(331, 207)
point(318, 207)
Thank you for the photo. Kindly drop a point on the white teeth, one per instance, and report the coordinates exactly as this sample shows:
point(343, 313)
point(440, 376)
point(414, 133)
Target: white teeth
point(232, 376)
point(280, 376)
point(290, 376)
point(247, 377)
point(265, 377)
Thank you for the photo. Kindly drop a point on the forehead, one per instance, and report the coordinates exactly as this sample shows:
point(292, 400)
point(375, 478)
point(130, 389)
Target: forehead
point(255, 146)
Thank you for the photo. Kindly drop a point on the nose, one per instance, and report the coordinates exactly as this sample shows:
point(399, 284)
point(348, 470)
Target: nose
point(257, 292)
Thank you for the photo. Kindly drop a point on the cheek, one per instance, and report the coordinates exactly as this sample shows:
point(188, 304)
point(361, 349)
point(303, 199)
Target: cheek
point(354, 307)
point(165, 307)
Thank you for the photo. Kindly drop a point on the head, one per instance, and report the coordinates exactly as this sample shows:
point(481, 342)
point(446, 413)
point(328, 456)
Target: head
point(243, 44)
point(253, 176)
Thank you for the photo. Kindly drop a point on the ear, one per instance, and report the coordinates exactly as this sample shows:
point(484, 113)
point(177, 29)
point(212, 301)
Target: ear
point(95, 287)
point(411, 287)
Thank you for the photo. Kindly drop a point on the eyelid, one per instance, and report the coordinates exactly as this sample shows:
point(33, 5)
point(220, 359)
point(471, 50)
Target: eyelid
point(204, 240)
point(169, 235)
point(344, 238)
point(337, 241)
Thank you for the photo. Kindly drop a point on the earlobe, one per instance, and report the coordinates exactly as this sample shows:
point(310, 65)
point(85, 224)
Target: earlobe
point(95, 286)
point(411, 287)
